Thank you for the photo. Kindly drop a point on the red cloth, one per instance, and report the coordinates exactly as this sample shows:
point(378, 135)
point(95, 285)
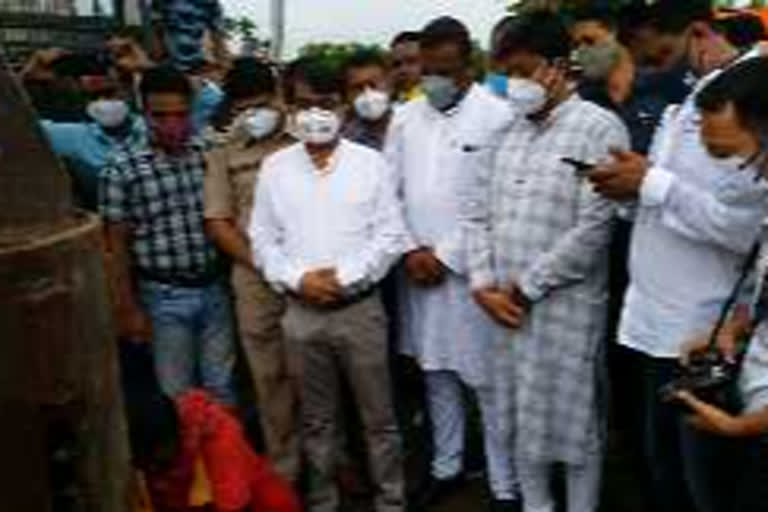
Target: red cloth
point(240, 479)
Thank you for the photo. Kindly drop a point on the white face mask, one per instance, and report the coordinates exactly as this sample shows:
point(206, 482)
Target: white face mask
point(108, 113)
point(260, 123)
point(526, 96)
point(317, 126)
point(441, 92)
point(372, 104)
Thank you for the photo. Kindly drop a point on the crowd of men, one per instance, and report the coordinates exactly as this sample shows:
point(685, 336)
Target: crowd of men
point(553, 241)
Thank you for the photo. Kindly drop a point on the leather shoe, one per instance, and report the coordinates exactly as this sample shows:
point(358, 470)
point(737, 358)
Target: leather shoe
point(437, 490)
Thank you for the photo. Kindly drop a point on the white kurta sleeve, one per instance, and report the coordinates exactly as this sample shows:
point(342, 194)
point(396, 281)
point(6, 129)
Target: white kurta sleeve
point(395, 163)
point(387, 242)
point(700, 215)
point(266, 235)
point(573, 257)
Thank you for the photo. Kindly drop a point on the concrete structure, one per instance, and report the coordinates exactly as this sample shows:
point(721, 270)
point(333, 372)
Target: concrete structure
point(27, 25)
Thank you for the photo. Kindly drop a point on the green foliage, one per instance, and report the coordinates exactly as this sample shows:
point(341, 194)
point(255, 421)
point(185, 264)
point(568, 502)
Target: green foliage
point(335, 52)
point(335, 55)
point(242, 27)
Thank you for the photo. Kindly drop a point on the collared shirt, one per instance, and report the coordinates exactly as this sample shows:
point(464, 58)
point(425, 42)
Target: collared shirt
point(364, 133)
point(160, 197)
point(205, 105)
point(232, 173)
point(345, 216)
point(86, 148)
point(414, 93)
point(435, 156)
point(696, 220)
point(543, 225)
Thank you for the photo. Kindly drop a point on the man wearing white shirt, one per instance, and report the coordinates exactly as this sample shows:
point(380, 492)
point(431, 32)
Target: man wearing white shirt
point(734, 110)
point(326, 228)
point(436, 144)
point(696, 221)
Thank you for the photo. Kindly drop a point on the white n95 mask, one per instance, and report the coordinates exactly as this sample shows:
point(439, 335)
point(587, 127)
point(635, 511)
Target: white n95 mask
point(108, 113)
point(526, 96)
point(372, 104)
point(317, 126)
point(260, 123)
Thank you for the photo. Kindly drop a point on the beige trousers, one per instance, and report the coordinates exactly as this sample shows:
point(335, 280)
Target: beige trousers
point(259, 312)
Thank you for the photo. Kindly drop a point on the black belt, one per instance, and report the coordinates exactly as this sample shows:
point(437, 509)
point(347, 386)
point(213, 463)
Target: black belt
point(183, 281)
point(345, 302)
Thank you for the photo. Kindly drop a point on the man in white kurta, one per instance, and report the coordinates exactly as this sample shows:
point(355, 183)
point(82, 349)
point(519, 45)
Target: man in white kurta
point(435, 145)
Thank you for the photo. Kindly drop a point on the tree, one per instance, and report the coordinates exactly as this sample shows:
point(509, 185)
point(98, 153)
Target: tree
point(246, 32)
point(335, 54)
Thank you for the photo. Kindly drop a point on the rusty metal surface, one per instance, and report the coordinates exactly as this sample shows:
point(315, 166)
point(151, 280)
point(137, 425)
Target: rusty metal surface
point(58, 378)
point(63, 440)
point(34, 189)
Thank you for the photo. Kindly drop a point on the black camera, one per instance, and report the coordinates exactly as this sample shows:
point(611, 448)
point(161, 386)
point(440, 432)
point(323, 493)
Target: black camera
point(711, 378)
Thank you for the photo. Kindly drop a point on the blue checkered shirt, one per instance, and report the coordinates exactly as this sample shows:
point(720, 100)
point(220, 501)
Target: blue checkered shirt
point(161, 198)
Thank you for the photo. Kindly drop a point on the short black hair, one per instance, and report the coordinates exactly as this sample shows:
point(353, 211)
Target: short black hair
point(320, 74)
point(165, 80)
point(497, 33)
point(81, 64)
point(601, 15)
point(363, 58)
point(132, 32)
point(249, 77)
point(743, 86)
point(409, 36)
point(673, 17)
point(540, 32)
point(447, 30)
point(743, 30)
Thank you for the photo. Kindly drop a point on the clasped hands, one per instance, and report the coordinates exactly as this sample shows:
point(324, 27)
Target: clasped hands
point(321, 287)
point(507, 307)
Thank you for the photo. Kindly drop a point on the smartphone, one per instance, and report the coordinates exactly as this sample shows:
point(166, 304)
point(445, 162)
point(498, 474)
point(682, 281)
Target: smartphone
point(570, 66)
point(580, 168)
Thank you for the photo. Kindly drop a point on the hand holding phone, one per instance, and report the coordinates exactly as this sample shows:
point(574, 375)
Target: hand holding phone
point(581, 169)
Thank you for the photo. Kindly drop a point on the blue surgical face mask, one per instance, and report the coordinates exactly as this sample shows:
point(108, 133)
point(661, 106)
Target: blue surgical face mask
point(497, 84)
point(441, 92)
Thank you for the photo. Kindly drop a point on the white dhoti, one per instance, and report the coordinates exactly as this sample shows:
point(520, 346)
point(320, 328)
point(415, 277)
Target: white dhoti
point(454, 342)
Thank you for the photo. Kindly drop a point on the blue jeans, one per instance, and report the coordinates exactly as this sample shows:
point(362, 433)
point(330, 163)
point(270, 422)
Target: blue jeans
point(193, 337)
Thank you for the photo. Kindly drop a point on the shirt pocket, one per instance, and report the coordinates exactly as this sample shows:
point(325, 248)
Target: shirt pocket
point(356, 209)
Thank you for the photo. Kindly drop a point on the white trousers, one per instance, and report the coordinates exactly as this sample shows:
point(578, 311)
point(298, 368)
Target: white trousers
point(582, 485)
point(448, 416)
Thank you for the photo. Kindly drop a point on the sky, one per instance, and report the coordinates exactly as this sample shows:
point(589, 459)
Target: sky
point(367, 21)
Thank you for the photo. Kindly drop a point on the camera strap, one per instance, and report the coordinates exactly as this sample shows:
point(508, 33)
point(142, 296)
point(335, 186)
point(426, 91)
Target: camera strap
point(730, 302)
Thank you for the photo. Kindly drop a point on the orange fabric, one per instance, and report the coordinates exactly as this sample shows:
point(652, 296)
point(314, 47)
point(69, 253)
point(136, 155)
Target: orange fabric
point(143, 501)
point(200, 494)
point(761, 12)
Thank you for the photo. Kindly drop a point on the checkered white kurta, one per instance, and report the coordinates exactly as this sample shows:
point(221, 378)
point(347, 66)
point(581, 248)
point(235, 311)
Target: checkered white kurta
point(534, 222)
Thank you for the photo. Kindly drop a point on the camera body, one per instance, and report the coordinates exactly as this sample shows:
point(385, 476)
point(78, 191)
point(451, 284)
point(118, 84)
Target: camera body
point(710, 378)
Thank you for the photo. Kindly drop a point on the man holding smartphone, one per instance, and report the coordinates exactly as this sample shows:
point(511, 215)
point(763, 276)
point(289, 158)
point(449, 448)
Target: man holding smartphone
point(693, 211)
point(538, 264)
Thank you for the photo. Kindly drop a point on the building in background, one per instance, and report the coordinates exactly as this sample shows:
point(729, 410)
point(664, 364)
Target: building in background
point(77, 25)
